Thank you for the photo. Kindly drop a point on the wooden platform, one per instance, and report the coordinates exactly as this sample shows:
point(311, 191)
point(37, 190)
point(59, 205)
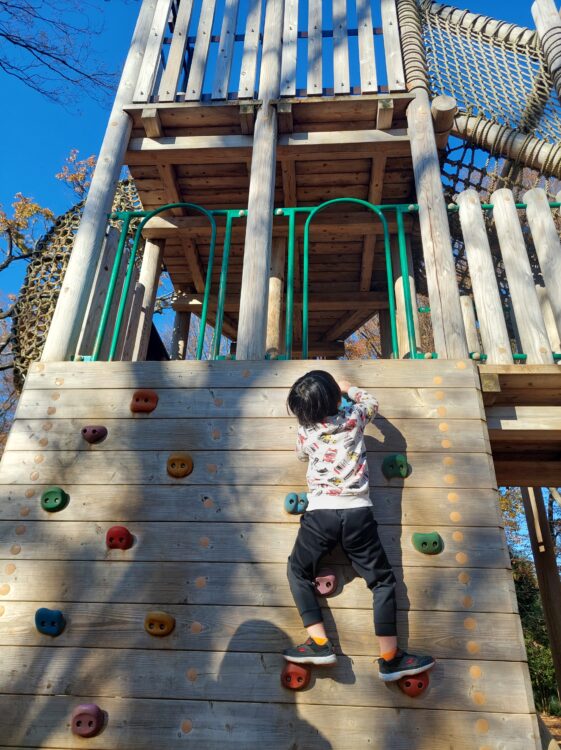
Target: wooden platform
point(211, 549)
point(328, 147)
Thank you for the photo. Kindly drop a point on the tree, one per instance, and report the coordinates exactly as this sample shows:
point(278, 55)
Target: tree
point(47, 45)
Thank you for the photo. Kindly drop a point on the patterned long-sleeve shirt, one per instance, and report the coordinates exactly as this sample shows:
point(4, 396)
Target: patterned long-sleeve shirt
point(337, 470)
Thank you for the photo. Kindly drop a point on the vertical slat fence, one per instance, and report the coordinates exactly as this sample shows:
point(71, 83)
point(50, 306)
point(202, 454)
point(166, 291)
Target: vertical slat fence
point(248, 72)
point(315, 48)
point(367, 60)
point(225, 51)
point(200, 54)
point(170, 78)
point(341, 74)
point(151, 59)
point(289, 48)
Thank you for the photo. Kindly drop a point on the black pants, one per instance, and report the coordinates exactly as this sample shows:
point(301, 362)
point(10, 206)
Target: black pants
point(357, 531)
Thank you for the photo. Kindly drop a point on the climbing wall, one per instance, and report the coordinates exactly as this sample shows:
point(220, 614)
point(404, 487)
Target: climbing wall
point(208, 559)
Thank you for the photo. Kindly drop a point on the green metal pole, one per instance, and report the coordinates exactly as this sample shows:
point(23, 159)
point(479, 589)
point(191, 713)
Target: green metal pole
point(124, 295)
point(391, 290)
point(222, 288)
point(111, 288)
point(208, 284)
point(305, 274)
point(405, 282)
point(290, 283)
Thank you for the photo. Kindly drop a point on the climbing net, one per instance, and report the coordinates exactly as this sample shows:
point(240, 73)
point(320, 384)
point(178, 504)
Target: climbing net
point(38, 295)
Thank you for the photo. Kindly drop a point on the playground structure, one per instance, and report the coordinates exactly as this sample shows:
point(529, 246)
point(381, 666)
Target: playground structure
point(292, 172)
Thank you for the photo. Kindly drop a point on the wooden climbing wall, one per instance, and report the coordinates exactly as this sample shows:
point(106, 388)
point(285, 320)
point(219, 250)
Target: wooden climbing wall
point(211, 550)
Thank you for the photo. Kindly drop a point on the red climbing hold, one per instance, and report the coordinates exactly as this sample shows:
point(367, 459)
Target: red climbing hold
point(415, 685)
point(94, 433)
point(119, 537)
point(326, 582)
point(87, 720)
point(144, 401)
point(295, 676)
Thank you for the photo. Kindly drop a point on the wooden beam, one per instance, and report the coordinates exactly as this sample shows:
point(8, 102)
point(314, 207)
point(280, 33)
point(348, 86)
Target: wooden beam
point(138, 335)
point(273, 342)
point(288, 169)
point(547, 572)
point(327, 301)
point(284, 113)
point(171, 191)
point(384, 116)
point(150, 118)
point(252, 324)
point(195, 265)
point(375, 188)
point(346, 324)
point(247, 118)
point(78, 280)
point(548, 24)
point(180, 338)
point(522, 470)
point(443, 110)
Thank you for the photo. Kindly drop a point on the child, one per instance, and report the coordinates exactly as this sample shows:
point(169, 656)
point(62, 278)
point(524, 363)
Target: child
point(340, 510)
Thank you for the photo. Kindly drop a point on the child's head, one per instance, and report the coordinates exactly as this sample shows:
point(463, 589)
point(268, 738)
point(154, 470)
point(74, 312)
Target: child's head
point(313, 397)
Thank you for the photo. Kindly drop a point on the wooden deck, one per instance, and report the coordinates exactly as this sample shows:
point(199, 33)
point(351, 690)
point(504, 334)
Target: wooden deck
point(211, 550)
point(328, 147)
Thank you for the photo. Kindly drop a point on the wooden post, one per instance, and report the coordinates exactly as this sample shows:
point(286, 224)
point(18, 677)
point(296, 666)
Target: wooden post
point(548, 24)
point(180, 337)
point(468, 312)
point(252, 324)
point(524, 300)
point(546, 570)
point(443, 109)
point(401, 319)
point(548, 318)
point(548, 247)
point(273, 343)
point(78, 281)
point(492, 324)
point(446, 314)
point(138, 334)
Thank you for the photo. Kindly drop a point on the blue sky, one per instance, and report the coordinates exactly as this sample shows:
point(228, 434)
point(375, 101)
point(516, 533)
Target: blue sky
point(38, 135)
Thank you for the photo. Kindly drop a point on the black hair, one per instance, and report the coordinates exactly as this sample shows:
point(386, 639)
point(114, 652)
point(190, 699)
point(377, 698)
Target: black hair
point(313, 397)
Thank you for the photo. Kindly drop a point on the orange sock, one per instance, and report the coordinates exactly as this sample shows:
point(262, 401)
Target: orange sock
point(319, 641)
point(389, 655)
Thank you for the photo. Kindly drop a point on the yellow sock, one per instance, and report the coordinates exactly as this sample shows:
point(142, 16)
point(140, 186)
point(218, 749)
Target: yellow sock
point(319, 641)
point(389, 655)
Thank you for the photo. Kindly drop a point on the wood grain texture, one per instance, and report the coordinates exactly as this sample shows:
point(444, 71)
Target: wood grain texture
point(225, 50)
point(215, 676)
point(170, 77)
point(130, 503)
point(247, 542)
point(246, 585)
point(146, 724)
point(230, 467)
point(200, 53)
point(341, 76)
point(151, 59)
point(368, 78)
point(368, 374)
point(248, 71)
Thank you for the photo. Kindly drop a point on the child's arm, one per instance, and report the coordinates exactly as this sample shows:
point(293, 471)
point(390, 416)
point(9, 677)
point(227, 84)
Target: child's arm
point(365, 403)
point(301, 454)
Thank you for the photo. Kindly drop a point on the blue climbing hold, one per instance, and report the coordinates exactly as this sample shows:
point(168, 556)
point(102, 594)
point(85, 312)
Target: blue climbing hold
point(49, 621)
point(295, 503)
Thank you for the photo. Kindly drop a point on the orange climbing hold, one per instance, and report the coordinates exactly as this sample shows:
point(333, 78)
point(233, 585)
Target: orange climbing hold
point(159, 623)
point(144, 401)
point(295, 676)
point(180, 465)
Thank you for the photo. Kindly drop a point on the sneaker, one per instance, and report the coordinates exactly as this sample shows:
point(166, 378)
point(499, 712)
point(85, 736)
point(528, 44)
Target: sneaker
point(311, 653)
point(403, 665)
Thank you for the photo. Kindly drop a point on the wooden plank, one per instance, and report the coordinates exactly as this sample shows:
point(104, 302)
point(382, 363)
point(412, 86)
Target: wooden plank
point(401, 314)
point(138, 335)
point(384, 117)
point(328, 303)
point(252, 677)
point(170, 78)
point(289, 183)
point(392, 46)
point(99, 292)
point(151, 58)
point(126, 503)
point(492, 325)
point(195, 266)
point(152, 123)
point(507, 419)
point(248, 467)
point(438, 406)
point(341, 76)
point(549, 318)
point(368, 79)
point(315, 77)
point(419, 374)
point(194, 88)
point(289, 48)
point(518, 470)
point(248, 72)
point(548, 247)
point(468, 314)
point(244, 542)
point(225, 50)
point(227, 726)
point(523, 295)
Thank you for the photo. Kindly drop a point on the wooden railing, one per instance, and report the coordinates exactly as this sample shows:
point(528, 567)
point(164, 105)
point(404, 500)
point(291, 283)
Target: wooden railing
point(520, 318)
point(204, 50)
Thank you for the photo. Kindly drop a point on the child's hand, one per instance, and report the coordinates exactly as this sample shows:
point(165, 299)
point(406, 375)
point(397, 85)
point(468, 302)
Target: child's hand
point(344, 385)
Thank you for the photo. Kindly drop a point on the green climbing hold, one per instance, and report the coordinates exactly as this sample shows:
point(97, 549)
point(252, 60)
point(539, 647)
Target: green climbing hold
point(430, 543)
point(54, 499)
point(395, 466)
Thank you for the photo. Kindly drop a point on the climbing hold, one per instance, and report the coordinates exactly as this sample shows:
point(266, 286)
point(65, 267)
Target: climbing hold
point(119, 537)
point(94, 433)
point(159, 623)
point(180, 465)
point(415, 685)
point(295, 503)
point(49, 621)
point(326, 582)
point(295, 676)
point(144, 401)
point(430, 543)
point(395, 466)
point(54, 499)
point(87, 720)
